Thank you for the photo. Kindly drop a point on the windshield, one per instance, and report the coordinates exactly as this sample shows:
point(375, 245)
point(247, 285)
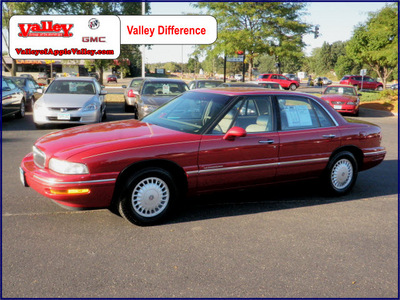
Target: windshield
point(191, 112)
point(71, 87)
point(20, 81)
point(340, 90)
point(162, 88)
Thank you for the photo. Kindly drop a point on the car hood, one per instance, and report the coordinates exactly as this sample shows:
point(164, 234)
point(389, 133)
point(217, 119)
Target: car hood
point(342, 98)
point(108, 137)
point(156, 100)
point(66, 100)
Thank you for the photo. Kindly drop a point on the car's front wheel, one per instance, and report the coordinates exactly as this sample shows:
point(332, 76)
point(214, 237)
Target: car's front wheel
point(341, 173)
point(148, 197)
point(379, 88)
point(292, 87)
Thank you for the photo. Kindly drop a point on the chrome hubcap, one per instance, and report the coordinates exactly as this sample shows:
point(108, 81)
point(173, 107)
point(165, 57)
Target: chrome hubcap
point(150, 197)
point(342, 173)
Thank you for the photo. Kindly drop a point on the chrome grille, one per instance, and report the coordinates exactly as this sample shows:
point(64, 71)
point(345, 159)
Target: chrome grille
point(337, 102)
point(64, 109)
point(39, 157)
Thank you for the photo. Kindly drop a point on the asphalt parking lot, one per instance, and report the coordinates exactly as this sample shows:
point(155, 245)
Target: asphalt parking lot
point(284, 241)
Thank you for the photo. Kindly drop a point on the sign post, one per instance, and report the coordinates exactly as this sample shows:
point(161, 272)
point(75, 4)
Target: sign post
point(363, 72)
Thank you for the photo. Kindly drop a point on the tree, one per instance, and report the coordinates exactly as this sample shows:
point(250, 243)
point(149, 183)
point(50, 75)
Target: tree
point(375, 43)
point(257, 27)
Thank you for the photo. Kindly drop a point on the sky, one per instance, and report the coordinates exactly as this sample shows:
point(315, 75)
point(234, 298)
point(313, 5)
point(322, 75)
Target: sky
point(335, 19)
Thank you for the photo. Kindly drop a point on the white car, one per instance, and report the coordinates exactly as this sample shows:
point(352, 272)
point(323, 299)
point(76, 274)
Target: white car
point(238, 76)
point(71, 100)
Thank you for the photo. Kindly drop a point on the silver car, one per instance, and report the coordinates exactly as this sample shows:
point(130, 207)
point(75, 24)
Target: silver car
point(144, 95)
point(71, 100)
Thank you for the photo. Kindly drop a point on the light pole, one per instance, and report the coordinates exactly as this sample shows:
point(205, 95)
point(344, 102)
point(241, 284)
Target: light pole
point(143, 46)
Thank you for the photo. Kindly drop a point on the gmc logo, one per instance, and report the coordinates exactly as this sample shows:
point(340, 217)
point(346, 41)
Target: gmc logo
point(97, 39)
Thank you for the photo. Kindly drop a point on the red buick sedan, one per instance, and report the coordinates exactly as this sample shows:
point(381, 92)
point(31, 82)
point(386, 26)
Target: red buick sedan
point(202, 141)
point(343, 98)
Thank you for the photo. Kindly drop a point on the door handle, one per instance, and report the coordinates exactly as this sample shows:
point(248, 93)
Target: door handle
point(329, 136)
point(266, 142)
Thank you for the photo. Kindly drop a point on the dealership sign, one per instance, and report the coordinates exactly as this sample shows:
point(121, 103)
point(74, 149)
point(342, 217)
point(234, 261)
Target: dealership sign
point(64, 37)
point(168, 30)
point(99, 37)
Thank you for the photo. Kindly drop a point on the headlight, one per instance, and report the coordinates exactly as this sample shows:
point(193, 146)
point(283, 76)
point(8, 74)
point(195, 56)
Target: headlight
point(149, 108)
point(39, 104)
point(66, 167)
point(90, 107)
point(351, 103)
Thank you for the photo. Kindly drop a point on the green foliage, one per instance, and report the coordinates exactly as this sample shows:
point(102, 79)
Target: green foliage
point(375, 43)
point(273, 28)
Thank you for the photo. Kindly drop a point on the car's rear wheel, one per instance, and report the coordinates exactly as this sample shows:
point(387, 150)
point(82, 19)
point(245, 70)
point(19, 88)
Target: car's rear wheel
point(379, 88)
point(292, 87)
point(148, 197)
point(21, 113)
point(341, 173)
point(135, 111)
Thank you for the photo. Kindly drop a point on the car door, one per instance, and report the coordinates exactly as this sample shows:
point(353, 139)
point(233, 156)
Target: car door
point(308, 135)
point(241, 161)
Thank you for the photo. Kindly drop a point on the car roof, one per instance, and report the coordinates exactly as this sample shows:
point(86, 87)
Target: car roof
point(74, 79)
point(238, 91)
point(340, 85)
point(157, 79)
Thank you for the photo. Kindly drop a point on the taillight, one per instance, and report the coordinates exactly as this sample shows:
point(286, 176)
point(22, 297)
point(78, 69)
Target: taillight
point(131, 93)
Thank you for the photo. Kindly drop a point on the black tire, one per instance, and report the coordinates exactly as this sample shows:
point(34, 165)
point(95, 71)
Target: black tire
point(341, 175)
point(135, 111)
point(292, 87)
point(21, 113)
point(379, 88)
point(148, 197)
point(104, 117)
point(40, 126)
point(128, 108)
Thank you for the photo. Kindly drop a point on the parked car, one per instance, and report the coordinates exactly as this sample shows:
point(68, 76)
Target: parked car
point(204, 83)
point(238, 77)
point(95, 75)
point(239, 84)
point(43, 76)
point(361, 82)
point(27, 76)
point(285, 82)
point(342, 98)
point(268, 85)
point(111, 78)
point(202, 141)
point(71, 100)
point(31, 88)
point(12, 99)
point(292, 77)
point(394, 86)
point(322, 81)
point(144, 95)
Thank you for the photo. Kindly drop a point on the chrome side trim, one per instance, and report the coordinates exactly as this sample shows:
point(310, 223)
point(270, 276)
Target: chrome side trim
point(285, 163)
point(73, 182)
point(375, 153)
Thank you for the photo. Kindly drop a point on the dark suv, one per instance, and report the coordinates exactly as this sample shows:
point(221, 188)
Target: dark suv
point(367, 82)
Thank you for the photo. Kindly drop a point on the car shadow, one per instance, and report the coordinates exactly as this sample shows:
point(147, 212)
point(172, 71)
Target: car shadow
point(286, 196)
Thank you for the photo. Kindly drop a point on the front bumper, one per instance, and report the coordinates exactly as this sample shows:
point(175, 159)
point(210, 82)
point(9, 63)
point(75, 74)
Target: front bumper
point(88, 190)
point(345, 108)
point(45, 115)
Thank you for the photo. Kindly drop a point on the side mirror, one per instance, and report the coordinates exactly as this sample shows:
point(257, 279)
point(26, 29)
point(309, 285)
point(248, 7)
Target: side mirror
point(40, 90)
point(6, 88)
point(234, 133)
point(124, 86)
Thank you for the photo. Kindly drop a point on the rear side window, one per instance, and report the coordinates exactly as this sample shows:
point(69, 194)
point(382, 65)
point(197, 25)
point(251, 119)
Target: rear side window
point(301, 113)
point(135, 84)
